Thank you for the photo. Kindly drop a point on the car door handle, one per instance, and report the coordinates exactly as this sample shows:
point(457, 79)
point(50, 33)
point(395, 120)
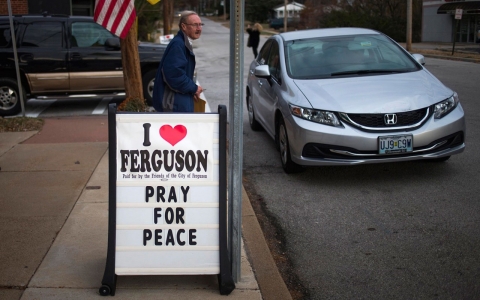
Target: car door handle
point(26, 57)
point(260, 83)
point(251, 72)
point(75, 56)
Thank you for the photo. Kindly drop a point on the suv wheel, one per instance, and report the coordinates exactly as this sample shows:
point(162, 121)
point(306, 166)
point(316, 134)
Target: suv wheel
point(9, 97)
point(148, 80)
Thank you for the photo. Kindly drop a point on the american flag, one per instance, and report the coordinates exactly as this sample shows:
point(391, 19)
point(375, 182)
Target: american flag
point(115, 15)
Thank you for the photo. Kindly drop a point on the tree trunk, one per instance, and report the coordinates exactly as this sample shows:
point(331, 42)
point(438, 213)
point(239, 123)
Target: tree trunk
point(167, 16)
point(132, 75)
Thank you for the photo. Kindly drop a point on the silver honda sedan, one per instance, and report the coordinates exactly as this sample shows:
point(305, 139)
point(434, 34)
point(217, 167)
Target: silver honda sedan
point(347, 96)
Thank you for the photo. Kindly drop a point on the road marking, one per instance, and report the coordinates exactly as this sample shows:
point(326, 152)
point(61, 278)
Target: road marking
point(36, 107)
point(102, 106)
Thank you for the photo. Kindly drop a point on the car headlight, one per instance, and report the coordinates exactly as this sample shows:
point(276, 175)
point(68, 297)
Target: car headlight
point(317, 116)
point(443, 108)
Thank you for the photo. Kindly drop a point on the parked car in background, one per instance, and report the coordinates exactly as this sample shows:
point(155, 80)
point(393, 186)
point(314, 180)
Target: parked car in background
point(65, 55)
point(348, 96)
point(278, 23)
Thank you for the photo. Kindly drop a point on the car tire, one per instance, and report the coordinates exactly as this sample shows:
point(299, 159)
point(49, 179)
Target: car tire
point(10, 103)
point(148, 81)
point(284, 147)
point(254, 125)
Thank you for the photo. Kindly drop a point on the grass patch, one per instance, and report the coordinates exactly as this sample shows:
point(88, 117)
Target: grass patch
point(19, 124)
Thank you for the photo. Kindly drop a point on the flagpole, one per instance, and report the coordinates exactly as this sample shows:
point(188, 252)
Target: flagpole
point(15, 55)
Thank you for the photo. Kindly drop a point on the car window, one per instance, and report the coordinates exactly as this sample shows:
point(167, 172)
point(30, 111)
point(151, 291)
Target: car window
point(346, 56)
point(43, 34)
point(274, 61)
point(5, 36)
point(89, 34)
point(389, 55)
point(262, 58)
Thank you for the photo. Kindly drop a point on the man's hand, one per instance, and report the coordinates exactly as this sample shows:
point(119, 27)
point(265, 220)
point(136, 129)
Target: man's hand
point(196, 97)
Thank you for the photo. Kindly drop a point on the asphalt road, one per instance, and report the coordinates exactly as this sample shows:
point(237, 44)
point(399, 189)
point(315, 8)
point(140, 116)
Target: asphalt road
point(386, 231)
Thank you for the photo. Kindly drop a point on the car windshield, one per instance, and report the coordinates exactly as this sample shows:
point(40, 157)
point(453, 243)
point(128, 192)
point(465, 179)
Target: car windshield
point(345, 56)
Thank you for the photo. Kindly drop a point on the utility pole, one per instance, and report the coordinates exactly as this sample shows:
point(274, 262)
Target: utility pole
point(235, 149)
point(409, 25)
point(224, 10)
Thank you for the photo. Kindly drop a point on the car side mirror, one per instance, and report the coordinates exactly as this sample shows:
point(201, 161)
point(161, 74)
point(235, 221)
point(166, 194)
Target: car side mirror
point(262, 71)
point(419, 58)
point(112, 43)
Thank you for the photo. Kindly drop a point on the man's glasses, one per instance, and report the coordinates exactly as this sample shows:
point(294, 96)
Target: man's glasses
point(198, 25)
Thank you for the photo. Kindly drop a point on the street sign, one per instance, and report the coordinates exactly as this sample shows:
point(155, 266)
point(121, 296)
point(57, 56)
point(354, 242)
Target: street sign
point(165, 39)
point(458, 14)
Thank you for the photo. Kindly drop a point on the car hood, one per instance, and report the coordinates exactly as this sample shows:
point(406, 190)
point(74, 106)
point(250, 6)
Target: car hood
point(374, 94)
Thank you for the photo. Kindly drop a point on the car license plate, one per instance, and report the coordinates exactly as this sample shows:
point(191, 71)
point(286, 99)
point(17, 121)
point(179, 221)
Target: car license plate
point(395, 144)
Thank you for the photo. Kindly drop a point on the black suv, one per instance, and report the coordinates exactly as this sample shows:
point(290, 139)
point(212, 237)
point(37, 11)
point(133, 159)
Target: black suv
point(64, 55)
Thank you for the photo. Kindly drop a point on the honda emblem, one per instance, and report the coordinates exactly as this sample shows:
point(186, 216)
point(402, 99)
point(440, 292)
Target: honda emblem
point(390, 119)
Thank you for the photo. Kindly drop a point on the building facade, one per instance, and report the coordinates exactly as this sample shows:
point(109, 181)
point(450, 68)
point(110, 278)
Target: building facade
point(440, 23)
point(293, 10)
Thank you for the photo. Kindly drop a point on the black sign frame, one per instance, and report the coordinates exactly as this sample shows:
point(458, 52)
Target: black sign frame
point(225, 278)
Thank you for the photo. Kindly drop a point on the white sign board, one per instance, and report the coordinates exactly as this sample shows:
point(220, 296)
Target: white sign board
point(167, 192)
point(165, 39)
point(458, 13)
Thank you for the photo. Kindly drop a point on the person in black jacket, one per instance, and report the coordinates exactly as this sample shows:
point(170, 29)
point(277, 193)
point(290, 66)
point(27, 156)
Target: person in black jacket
point(254, 37)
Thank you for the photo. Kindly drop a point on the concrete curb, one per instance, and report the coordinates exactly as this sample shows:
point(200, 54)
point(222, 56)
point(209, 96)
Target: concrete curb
point(269, 280)
point(472, 60)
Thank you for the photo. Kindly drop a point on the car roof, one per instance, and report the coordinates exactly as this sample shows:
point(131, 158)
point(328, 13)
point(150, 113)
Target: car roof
point(325, 32)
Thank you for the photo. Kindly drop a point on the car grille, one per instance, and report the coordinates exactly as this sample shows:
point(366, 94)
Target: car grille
point(321, 151)
point(404, 120)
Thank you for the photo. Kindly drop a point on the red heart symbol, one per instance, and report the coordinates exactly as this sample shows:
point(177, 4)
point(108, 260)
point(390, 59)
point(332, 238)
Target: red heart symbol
point(173, 135)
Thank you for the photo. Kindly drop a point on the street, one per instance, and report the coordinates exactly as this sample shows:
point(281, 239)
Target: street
point(387, 231)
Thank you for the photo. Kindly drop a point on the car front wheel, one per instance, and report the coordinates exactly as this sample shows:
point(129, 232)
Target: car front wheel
point(283, 145)
point(9, 97)
point(148, 81)
point(254, 125)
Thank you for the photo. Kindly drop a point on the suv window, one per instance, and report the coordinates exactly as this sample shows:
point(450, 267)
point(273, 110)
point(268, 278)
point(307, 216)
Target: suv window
point(43, 34)
point(5, 36)
point(89, 34)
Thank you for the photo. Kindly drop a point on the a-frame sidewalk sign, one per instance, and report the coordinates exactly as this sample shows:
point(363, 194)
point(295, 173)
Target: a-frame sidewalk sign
point(167, 196)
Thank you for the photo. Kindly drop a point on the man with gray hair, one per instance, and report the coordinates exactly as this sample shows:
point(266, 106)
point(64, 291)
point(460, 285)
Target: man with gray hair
point(174, 89)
